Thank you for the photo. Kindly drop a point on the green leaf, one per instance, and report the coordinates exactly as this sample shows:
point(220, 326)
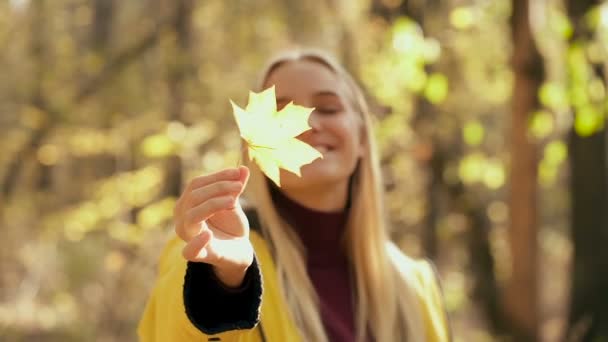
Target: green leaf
point(462, 18)
point(588, 121)
point(547, 173)
point(553, 95)
point(436, 88)
point(407, 36)
point(555, 152)
point(560, 24)
point(471, 168)
point(157, 146)
point(541, 124)
point(473, 133)
point(494, 174)
point(597, 90)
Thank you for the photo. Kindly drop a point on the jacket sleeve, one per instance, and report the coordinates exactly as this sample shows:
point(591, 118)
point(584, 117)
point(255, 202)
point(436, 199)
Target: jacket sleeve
point(436, 321)
point(166, 317)
point(213, 308)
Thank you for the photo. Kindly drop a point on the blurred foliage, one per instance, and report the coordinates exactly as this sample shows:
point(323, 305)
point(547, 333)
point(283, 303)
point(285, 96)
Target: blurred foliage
point(92, 124)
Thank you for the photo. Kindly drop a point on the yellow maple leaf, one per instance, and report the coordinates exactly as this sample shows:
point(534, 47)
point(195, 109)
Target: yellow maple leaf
point(270, 134)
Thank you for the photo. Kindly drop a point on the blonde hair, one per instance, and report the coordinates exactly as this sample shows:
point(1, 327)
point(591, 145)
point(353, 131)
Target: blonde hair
point(386, 302)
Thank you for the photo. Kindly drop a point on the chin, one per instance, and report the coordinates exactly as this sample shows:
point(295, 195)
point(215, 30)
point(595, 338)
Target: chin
point(312, 176)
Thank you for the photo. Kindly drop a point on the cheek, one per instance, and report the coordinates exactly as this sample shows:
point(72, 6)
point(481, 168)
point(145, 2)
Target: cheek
point(351, 142)
point(351, 134)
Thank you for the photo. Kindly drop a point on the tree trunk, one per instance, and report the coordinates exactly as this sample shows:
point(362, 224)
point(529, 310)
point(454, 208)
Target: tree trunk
point(103, 15)
point(177, 76)
point(485, 286)
point(101, 29)
point(522, 293)
point(588, 316)
point(485, 290)
point(434, 187)
point(423, 121)
point(53, 113)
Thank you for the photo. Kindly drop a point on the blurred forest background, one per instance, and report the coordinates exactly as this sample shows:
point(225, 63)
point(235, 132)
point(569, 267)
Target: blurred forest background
point(490, 115)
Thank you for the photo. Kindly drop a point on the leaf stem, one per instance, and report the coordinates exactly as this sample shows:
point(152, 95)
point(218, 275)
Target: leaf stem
point(260, 146)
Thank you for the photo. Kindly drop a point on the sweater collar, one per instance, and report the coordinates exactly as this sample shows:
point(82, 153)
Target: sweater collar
point(320, 232)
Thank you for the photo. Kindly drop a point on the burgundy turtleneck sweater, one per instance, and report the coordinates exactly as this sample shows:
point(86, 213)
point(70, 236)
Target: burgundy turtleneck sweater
point(322, 234)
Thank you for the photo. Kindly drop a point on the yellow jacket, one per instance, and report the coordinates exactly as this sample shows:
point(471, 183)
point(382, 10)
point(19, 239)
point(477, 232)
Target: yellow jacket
point(165, 320)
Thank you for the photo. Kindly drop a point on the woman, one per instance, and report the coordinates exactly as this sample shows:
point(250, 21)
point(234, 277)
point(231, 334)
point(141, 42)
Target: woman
point(322, 267)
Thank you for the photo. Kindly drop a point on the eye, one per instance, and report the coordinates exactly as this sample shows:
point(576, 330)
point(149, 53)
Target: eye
point(328, 110)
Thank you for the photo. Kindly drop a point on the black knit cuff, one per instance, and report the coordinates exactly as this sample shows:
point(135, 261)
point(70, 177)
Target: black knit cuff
point(214, 308)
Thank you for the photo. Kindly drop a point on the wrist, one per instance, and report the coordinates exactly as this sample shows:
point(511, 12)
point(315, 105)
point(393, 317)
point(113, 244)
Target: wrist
point(231, 276)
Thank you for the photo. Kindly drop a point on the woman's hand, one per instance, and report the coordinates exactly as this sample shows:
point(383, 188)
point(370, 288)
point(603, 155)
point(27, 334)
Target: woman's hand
point(209, 218)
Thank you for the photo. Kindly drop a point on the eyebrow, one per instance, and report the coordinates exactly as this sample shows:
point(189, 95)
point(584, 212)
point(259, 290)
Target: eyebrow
point(317, 94)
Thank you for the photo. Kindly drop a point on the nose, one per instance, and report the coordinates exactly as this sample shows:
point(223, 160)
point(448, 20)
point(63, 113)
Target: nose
point(314, 121)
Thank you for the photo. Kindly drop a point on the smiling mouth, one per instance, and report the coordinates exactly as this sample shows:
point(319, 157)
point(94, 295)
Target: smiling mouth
point(322, 148)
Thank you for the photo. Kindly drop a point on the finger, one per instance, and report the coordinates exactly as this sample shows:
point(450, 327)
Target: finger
point(195, 249)
point(200, 195)
point(200, 213)
point(186, 233)
point(234, 174)
point(197, 182)
point(243, 176)
point(231, 174)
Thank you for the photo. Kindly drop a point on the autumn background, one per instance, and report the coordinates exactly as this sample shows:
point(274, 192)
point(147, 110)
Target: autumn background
point(490, 118)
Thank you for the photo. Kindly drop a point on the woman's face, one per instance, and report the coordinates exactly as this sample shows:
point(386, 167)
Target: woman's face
point(336, 127)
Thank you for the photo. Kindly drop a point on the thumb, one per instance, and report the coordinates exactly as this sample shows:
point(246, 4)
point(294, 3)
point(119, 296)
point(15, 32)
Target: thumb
point(195, 250)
